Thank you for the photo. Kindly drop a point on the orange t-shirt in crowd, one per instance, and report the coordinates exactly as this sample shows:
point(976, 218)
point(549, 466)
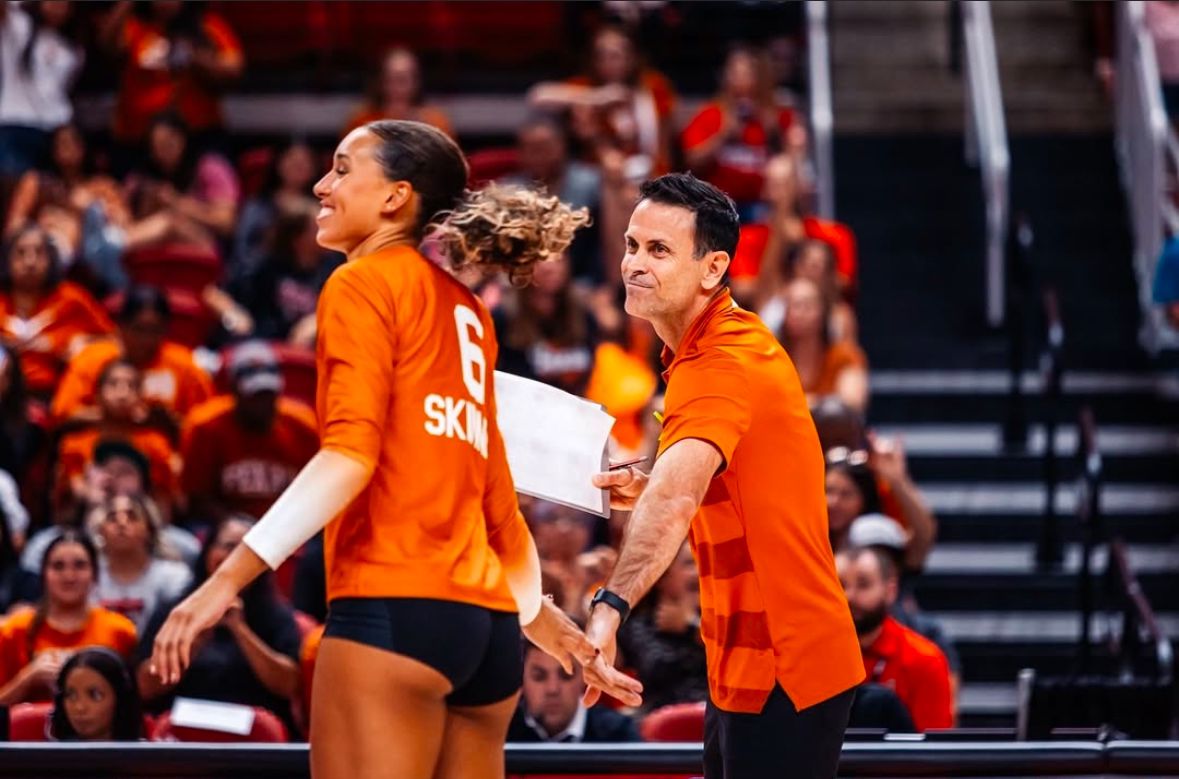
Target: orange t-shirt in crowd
point(773, 610)
point(103, 628)
point(916, 670)
point(44, 341)
point(405, 357)
point(739, 165)
point(244, 470)
point(751, 248)
point(76, 451)
point(150, 86)
point(839, 356)
point(172, 380)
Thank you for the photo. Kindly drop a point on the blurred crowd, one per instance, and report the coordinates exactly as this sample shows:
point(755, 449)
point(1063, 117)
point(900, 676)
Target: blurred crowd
point(158, 288)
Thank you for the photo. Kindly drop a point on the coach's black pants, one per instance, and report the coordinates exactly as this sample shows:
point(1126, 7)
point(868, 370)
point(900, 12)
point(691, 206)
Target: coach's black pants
point(780, 742)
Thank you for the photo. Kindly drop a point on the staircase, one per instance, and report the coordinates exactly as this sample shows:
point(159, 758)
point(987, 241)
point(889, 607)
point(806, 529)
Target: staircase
point(939, 379)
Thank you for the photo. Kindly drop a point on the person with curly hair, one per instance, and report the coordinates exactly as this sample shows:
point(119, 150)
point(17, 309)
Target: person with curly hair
point(428, 557)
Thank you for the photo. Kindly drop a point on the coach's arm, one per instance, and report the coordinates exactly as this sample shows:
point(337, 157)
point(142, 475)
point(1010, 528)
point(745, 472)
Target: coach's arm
point(664, 504)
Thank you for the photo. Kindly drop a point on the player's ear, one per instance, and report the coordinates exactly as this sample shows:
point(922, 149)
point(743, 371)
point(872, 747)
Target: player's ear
point(716, 268)
point(398, 195)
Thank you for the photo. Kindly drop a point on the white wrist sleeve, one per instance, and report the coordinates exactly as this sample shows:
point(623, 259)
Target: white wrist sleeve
point(324, 488)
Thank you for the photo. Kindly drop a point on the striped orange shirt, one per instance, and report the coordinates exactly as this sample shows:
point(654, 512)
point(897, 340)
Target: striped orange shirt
point(773, 608)
point(405, 356)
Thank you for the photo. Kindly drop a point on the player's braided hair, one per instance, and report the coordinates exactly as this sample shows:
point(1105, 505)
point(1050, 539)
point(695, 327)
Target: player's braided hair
point(507, 227)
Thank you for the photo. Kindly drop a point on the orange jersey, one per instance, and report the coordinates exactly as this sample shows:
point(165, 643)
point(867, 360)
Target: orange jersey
point(103, 628)
point(57, 326)
point(243, 469)
point(172, 380)
point(76, 451)
point(405, 356)
point(773, 610)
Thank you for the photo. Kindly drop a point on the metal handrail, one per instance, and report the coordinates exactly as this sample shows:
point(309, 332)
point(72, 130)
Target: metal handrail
point(819, 102)
point(1141, 128)
point(986, 142)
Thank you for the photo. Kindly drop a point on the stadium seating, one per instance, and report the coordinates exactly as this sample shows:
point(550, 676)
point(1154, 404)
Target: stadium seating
point(268, 729)
point(678, 722)
point(29, 721)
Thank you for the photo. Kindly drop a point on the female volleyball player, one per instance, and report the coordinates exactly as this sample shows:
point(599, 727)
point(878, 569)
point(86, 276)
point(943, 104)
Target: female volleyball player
point(428, 557)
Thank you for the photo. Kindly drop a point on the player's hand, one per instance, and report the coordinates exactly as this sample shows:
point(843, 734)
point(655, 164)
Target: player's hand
point(602, 633)
point(557, 635)
point(625, 485)
point(198, 612)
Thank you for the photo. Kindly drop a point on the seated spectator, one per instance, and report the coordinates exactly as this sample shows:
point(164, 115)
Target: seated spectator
point(551, 709)
point(172, 382)
point(241, 452)
point(121, 409)
point(661, 640)
point(43, 318)
point(825, 367)
point(551, 334)
point(180, 196)
point(250, 657)
point(96, 700)
point(814, 260)
point(851, 492)
point(174, 56)
point(82, 212)
point(280, 295)
point(731, 139)
point(117, 469)
point(35, 643)
point(544, 161)
point(619, 105)
point(38, 63)
point(287, 187)
point(398, 94)
point(885, 535)
point(895, 655)
point(22, 431)
point(137, 571)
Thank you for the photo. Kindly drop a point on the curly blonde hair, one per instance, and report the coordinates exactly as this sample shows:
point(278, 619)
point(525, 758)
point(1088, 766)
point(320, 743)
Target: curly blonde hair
point(507, 227)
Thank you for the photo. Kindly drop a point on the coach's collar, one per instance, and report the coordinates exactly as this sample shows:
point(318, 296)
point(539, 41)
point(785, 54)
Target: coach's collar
point(721, 301)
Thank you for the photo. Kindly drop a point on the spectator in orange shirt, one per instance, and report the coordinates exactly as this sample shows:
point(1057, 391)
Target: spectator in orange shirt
point(121, 409)
point(43, 318)
point(35, 643)
point(731, 139)
point(825, 367)
point(241, 452)
point(175, 56)
point(895, 655)
point(398, 94)
point(172, 382)
point(619, 105)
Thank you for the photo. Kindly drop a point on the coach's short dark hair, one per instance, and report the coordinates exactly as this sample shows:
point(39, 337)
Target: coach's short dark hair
point(717, 223)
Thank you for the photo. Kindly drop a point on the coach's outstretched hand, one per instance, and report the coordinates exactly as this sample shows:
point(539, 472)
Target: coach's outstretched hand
point(625, 485)
point(557, 635)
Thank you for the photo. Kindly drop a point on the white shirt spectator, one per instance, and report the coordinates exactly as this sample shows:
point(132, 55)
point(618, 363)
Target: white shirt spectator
point(39, 97)
point(163, 582)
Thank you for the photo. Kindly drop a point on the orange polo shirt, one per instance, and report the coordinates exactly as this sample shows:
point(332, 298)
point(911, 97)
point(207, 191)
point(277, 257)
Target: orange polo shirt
point(773, 610)
point(172, 380)
point(404, 358)
point(45, 339)
point(916, 670)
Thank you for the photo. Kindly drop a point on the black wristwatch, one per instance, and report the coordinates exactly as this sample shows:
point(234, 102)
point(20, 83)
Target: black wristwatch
point(614, 601)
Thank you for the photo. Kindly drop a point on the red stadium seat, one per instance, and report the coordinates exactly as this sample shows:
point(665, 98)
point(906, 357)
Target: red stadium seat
point(677, 722)
point(268, 729)
point(187, 268)
point(29, 721)
point(490, 164)
point(192, 321)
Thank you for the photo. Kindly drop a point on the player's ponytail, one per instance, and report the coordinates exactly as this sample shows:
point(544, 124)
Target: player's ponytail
point(507, 228)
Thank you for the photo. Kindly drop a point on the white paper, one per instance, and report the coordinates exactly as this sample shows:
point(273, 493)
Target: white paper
point(213, 715)
point(555, 442)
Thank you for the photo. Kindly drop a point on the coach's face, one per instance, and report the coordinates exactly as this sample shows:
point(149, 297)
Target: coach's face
point(662, 275)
